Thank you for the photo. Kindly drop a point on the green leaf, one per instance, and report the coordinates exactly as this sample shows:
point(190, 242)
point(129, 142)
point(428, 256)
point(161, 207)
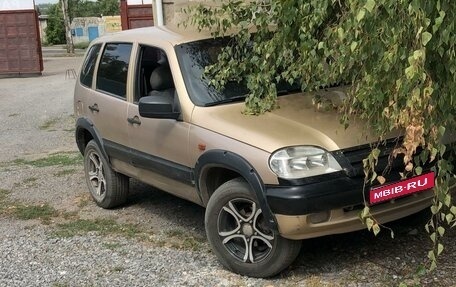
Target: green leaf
point(439, 249)
point(448, 200)
point(441, 130)
point(353, 46)
point(433, 236)
point(376, 229)
point(410, 72)
point(375, 153)
point(418, 170)
point(370, 5)
point(453, 210)
point(449, 217)
point(433, 265)
point(365, 212)
point(441, 231)
point(431, 255)
point(369, 223)
point(425, 38)
point(341, 33)
point(361, 14)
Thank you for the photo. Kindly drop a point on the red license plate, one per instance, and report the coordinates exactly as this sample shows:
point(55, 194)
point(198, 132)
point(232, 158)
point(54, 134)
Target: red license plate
point(401, 188)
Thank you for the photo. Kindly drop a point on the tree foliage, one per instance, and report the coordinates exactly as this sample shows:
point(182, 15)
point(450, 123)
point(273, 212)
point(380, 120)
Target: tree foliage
point(397, 57)
point(85, 8)
point(55, 31)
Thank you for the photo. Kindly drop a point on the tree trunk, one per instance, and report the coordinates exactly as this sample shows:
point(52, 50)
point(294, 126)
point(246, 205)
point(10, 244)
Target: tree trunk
point(66, 20)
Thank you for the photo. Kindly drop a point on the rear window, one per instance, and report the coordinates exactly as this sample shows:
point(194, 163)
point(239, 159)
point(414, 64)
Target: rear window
point(113, 69)
point(89, 66)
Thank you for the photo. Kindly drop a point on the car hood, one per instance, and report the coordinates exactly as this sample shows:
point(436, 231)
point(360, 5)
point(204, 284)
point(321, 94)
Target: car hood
point(296, 122)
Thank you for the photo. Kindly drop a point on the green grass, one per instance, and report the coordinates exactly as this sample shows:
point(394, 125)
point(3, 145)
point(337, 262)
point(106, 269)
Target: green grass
point(48, 124)
point(62, 159)
point(82, 45)
point(3, 200)
point(102, 226)
point(111, 246)
point(43, 212)
point(70, 130)
point(182, 240)
point(29, 180)
point(118, 269)
point(3, 194)
point(65, 172)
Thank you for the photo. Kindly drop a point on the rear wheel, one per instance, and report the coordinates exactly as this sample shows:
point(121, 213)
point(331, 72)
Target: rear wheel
point(107, 187)
point(239, 235)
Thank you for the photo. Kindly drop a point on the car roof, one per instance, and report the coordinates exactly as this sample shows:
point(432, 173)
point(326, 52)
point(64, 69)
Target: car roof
point(170, 34)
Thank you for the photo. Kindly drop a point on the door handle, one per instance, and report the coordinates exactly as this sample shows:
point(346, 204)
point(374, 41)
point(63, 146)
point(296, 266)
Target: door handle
point(134, 120)
point(94, 108)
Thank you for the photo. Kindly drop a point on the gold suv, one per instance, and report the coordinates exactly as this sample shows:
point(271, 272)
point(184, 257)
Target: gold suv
point(144, 110)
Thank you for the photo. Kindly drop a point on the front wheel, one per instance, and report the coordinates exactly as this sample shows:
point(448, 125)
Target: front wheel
point(239, 235)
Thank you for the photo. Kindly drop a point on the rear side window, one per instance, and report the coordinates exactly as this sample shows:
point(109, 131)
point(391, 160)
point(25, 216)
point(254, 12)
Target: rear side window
point(113, 69)
point(89, 66)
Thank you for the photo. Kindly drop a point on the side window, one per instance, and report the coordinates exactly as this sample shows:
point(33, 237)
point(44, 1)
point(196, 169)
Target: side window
point(113, 69)
point(89, 66)
point(153, 73)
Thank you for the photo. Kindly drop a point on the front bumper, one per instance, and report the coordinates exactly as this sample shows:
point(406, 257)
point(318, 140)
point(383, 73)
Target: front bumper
point(314, 197)
point(336, 204)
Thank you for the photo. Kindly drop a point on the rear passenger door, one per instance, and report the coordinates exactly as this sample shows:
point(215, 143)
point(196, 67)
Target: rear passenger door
point(107, 104)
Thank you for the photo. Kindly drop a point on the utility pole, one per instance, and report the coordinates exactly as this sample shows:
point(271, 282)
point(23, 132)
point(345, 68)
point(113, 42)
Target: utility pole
point(66, 20)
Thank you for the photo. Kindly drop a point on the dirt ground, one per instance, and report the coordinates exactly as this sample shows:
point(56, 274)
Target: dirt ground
point(44, 205)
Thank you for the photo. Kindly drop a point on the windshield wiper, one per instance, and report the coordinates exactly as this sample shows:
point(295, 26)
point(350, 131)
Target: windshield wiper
point(226, 101)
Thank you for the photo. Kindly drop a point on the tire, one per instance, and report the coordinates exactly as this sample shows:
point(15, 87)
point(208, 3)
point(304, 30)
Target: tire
point(108, 188)
point(239, 236)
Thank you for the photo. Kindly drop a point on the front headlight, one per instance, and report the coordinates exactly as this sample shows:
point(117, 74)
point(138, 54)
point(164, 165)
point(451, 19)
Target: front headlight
point(302, 161)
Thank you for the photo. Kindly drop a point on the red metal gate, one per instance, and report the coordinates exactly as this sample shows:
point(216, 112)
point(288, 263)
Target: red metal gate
point(135, 16)
point(20, 46)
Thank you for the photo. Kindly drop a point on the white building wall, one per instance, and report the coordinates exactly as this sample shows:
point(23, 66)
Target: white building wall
point(7, 5)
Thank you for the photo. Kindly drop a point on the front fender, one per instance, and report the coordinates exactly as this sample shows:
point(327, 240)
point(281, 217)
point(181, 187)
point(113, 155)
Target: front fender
point(236, 163)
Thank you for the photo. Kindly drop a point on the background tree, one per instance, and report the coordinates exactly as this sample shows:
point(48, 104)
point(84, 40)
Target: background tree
point(55, 31)
point(109, 7)
point(67, 24)
point(85, 8)
point(397, 57)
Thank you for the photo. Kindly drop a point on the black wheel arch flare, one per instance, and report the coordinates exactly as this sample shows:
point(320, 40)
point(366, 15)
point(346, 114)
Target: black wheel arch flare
point(232, 161)
point(85, 124)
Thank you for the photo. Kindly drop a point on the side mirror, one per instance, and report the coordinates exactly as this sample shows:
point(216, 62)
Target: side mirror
point(157, 106)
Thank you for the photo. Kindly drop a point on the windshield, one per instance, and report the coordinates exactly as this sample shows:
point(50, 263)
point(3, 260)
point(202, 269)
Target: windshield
point(193, 57)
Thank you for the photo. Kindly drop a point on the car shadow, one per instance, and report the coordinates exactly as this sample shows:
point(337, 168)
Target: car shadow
point(323, 256)
point(180, 213)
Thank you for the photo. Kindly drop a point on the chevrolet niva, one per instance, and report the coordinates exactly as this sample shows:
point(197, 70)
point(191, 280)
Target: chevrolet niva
point(145, 111)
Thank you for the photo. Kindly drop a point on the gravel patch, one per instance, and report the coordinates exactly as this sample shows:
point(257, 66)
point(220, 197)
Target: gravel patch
point(155, 239)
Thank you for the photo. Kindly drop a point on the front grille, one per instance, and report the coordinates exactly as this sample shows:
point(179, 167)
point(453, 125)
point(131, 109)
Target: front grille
point(386, 163)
